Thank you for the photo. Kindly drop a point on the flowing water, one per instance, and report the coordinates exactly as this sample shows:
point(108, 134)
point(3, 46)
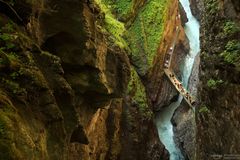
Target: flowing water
point(163, 119)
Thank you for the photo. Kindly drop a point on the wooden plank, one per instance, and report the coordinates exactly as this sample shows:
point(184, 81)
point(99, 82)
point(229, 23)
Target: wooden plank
point(180, 88)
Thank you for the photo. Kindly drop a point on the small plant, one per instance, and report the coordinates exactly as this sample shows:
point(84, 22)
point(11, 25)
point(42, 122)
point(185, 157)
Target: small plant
point(12, 56)
point(121, 8)
point(136, 90)
point(112, 25)
point(8, 39)
point(13, 86)
point(14, 75)
point(146, 31)
point(230, 27)
point(231, 54)
point(204, 109)
point(8, 36)
point(211, 83)
point(8, 27)
point(212, 6)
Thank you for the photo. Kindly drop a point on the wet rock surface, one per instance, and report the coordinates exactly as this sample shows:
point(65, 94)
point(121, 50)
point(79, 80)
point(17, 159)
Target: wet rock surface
point(71, 82)
point(183, 15)
point(183, 120)
point(161, 91)
point(217, 117)
point(196, 7)
point(54, 70)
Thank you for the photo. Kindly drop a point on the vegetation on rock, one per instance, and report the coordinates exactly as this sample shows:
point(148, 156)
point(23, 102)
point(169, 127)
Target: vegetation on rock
point(203, 109)
point(214, 83)
point(112, 25)
point(219, 78)
point(231, 54)
point(143, 35)
point(121, 8)
point(146, 31)
point(138, 96)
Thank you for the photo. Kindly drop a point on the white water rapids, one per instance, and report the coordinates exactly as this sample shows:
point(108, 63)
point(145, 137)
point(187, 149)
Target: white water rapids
point(163, 119)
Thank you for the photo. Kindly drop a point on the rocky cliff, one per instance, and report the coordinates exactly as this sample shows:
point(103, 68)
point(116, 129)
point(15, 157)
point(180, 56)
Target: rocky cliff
point(183, 120)
point(214, 126)
point(67, 88)
point(81, 79)
point(161, 92)
point(59, 78)
point(217, 117)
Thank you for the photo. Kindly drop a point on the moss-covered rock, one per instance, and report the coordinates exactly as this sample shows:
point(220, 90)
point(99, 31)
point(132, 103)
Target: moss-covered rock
point(144, 29)
point(145, 33)
point(219, 79)
point(62, 69)
point(137, 94)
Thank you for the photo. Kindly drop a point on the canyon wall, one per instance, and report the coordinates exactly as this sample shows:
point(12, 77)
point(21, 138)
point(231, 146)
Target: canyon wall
point(61, 82)
point(183, 120)
point(67, 88)
point(80, 79)
point(160, 90)
point(217, 117)
point(214, 126)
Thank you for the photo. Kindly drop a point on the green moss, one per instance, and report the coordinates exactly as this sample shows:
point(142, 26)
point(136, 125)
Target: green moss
point(231, 54)
point(230, 27)
point(13, 86)
point(8, 36)
point(112, 25)
point(4, 122)
point(122, 8)
point(146, 31)
point(8, 149)
point(12, 126)
point(143, 35)
point(204, 109)
point(136, 90)
point(211, 83)
point(212, 6)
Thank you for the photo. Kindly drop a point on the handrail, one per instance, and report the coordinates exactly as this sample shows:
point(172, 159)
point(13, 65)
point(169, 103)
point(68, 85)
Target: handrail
point(173, 78)
point(180, 88)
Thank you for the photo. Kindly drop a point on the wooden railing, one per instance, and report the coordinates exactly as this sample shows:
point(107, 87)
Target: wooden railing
point(173, 78)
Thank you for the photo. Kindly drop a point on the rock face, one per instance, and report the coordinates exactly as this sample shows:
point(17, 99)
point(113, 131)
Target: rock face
point(61, 82)
point(139, 134)
point(161, 91)
point(196, 7)
point(183, 14)
point(183, 120)
point(217, 117)
point(65, 91)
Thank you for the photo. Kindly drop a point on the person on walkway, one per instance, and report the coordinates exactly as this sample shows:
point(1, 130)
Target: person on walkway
point(187, 95)
point(182, 90)
point(178, 85)
point(193, 103)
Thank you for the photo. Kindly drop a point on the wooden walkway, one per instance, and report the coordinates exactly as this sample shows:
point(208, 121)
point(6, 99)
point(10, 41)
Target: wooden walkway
point(173, 78)
point(180, 88)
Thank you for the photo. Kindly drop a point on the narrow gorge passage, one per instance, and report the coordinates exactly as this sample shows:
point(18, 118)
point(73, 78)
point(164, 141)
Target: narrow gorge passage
point(163, 118)
point(119, 79)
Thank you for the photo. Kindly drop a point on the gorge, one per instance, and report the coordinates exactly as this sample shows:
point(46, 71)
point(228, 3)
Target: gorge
point(86, 79)
point(163, 120)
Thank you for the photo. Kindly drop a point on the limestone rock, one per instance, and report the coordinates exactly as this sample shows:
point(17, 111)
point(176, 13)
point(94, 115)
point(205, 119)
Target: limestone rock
point(183, 15)
point(160, 90)
point(218, 124)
